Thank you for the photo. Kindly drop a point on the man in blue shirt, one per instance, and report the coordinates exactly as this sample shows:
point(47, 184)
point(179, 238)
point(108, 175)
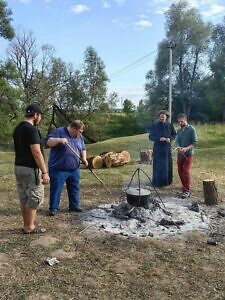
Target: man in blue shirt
point(64, 166)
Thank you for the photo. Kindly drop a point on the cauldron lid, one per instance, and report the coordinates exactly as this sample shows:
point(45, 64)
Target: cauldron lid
point(137, 192)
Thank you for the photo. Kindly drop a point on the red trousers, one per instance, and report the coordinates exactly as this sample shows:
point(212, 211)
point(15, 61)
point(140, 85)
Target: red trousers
point(184, 166)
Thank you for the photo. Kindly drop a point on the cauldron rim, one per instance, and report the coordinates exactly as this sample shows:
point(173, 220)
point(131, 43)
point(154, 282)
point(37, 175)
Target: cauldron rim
point(138, 197)
point(138, 192)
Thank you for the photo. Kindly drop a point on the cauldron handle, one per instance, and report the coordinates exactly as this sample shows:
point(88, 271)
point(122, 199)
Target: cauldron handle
point(137, 170)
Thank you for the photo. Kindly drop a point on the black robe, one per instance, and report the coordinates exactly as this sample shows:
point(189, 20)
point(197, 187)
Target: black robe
point(162, 157)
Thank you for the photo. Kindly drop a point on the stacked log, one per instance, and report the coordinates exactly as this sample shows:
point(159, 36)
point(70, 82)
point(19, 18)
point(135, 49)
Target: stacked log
point(95, 162)
point(109, 159)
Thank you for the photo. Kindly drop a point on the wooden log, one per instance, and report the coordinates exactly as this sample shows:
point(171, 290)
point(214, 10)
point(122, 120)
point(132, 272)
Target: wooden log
point(95, 162)
point(114, 159)
point(146, 156)
point(118, 160)
point(210, 192)
point(106, 159)
point(126, 155)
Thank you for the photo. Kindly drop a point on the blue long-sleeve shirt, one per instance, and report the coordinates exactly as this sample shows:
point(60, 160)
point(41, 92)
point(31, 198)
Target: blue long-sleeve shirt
point(61, 157)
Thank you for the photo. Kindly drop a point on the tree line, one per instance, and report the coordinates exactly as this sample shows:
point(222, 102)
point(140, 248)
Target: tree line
point(33, 73)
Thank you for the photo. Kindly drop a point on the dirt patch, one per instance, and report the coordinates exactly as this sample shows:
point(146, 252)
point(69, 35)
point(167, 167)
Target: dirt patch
point(62, 254)
point(45, 241)
point(101, 265)
point(39, 297)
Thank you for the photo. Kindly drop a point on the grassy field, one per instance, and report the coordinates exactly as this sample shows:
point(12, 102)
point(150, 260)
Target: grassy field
point(103, 266)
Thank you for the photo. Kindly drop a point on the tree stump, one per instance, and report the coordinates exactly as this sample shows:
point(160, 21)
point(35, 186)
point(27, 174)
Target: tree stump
point(210, 192)
point(146, 156)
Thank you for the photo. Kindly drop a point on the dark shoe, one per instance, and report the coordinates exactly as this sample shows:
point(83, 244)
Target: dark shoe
point(78, 209)
point(52, 213)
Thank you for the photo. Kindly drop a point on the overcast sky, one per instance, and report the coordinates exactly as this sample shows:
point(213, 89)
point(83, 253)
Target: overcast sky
point(125, 33)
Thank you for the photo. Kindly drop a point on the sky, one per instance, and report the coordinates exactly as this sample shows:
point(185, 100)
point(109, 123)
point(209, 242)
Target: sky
point(125, 33)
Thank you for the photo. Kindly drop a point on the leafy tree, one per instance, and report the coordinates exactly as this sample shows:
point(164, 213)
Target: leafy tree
point(6, 29)
point(157, 91)
point(216, 88)
point(41, 76)
point(128, 106)
point(23, 55)
point(143, 116)
point(190, 35)
point(93, 81)
point(9, 104)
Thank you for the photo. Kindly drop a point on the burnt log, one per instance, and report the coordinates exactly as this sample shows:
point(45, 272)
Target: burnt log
point(210, 192)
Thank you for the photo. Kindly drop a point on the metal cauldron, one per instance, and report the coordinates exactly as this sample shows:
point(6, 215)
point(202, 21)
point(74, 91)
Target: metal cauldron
point(138, 196)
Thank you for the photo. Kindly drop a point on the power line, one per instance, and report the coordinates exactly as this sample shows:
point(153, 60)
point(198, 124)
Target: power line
point(130, 69)
point(132, 65)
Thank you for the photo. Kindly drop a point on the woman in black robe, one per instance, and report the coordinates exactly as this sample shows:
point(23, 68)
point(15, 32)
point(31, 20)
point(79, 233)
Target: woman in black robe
point(162, 133)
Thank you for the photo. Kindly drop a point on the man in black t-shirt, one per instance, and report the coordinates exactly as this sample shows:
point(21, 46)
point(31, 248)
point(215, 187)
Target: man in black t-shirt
point(30, 168)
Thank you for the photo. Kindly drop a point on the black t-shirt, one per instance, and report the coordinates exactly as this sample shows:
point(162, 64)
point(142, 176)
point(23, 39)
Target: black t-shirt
point(24, 135)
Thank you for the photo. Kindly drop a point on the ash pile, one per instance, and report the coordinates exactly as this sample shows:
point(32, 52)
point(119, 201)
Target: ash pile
point(156, 221)
point(143, 213)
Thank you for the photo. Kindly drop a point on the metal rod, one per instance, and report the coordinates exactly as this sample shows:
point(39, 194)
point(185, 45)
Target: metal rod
point(131, 179)
point(154, 188)
point(139, 187)
point(78, 156)
point(170, 83)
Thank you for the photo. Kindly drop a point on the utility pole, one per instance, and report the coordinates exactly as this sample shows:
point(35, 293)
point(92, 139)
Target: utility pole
point(171, 46)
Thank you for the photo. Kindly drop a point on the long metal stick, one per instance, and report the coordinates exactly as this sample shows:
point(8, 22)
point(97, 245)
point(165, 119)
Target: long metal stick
point(78, 156)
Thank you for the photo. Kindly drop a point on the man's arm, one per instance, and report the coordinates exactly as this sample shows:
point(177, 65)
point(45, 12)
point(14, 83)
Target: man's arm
point(52, 142)
point(39, 159)
point(84, 157)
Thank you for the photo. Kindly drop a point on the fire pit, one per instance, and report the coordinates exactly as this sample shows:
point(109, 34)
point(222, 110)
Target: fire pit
point(132, 221)
point(142, 213)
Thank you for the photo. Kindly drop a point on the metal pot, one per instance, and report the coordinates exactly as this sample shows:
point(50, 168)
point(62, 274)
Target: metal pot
point(138, 196)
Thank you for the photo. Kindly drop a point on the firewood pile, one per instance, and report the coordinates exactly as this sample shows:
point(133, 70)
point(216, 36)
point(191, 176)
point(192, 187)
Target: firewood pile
point(109, 159)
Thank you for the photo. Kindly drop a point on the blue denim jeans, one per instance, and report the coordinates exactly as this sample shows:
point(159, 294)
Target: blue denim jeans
point(57, 180)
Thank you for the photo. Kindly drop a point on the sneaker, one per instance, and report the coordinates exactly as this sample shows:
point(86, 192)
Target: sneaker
point(78, 209)
point(52, 213)
point(185, 195)
point(179, 193)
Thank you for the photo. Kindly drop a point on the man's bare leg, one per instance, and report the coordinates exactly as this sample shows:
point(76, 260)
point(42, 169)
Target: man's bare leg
point(29, 215)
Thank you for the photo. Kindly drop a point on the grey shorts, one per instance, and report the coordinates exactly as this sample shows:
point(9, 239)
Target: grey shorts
point(29, 186)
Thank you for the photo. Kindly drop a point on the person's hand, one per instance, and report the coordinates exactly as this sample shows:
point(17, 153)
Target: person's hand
point(63, 141)
point(85, 162)
point(182, 149)
point(162, 139)
point(168, 140)
point(45, 178)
